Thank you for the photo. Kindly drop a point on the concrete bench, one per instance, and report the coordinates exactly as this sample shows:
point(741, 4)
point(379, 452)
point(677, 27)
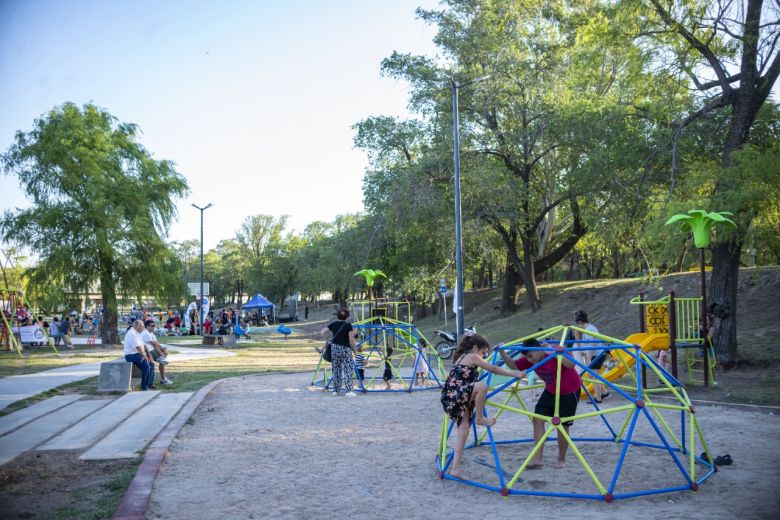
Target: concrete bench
point(117, 375)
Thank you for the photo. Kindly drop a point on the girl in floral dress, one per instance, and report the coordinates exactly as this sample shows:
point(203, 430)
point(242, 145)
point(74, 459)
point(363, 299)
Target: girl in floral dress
point(463, 395)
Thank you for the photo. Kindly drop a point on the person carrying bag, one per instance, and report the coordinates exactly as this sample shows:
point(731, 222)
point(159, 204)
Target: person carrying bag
point(339, 349)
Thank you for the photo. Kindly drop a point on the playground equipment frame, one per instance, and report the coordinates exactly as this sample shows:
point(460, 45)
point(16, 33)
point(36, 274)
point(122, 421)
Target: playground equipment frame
point(376, 334)
point(639, 401)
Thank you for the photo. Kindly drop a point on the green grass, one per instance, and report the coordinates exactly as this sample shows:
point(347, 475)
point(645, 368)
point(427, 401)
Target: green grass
point(109, 493)
point(40, 359)
point(256, 357)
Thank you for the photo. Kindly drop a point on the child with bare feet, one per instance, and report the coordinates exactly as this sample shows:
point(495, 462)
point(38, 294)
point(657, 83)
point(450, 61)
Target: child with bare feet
point(569, 396)
point(463, 395)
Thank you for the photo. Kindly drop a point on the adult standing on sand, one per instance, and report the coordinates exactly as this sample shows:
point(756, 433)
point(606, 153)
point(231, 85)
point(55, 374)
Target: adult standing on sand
point(342, 343)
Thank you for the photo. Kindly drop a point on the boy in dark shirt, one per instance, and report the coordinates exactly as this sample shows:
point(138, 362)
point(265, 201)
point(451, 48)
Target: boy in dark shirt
point(388, 375)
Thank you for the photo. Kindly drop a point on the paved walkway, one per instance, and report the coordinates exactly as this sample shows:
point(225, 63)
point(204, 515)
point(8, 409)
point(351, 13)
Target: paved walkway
point(109, 428)
point(16, 388)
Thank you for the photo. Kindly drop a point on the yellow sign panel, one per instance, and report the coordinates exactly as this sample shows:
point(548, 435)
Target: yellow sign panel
point(657, 319)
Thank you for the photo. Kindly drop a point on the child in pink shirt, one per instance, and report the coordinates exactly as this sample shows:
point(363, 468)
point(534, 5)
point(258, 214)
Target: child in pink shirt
point(569, 390)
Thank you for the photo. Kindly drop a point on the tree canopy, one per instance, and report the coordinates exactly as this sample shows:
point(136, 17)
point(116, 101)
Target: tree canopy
point(101, 205)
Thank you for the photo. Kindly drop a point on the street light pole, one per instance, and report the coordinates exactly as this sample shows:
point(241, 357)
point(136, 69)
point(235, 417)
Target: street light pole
point(454, 86)
point(201, 318)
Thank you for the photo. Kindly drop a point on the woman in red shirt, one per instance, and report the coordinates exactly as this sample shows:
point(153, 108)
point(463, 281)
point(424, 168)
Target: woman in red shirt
point(570, 394)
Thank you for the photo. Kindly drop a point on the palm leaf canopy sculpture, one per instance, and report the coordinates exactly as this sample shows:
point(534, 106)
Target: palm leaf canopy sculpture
point(370, 275)
point(700, 223)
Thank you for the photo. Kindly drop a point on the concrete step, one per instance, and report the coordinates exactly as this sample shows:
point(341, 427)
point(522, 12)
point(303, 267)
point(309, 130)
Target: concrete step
point(86, 432)
point(44, 428)
point(134, 434)
point(14, 420)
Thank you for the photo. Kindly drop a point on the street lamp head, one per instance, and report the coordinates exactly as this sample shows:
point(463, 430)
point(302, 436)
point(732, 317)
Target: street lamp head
point(457, 85)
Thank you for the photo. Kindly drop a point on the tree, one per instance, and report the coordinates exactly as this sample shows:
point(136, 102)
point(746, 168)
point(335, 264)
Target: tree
point(101, 206)
point(548, 133)
point(260, 238)
point(187, 252)
point(728, 51)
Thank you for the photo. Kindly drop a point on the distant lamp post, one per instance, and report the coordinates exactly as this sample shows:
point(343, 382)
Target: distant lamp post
point(454, 86)
point(201, 307)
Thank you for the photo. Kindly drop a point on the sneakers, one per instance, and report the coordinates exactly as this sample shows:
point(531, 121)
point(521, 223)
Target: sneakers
point(163, 360)
point(166, 381)
point(334, 393)
point(350, 394)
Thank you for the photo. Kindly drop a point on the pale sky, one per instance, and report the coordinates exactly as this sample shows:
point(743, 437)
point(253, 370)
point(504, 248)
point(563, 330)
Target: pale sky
point(253, 100)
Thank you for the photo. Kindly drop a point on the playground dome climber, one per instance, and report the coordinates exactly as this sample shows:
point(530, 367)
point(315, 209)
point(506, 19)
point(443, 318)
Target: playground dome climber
point(642, 441)
point(390, 347)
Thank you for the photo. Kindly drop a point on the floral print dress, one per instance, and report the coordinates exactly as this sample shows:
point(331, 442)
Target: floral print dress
point(456, 393)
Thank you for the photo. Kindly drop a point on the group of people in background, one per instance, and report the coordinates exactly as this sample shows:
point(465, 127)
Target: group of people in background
point(60, 329)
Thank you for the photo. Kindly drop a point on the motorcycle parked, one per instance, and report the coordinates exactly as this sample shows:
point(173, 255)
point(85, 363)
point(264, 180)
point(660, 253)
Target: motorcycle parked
point(449, 342)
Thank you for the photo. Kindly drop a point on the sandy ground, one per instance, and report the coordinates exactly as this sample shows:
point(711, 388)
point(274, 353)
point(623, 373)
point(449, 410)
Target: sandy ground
point(273, 447)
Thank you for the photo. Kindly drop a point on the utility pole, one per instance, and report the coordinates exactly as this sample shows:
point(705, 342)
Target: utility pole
point(459, 318)
point(201, 318)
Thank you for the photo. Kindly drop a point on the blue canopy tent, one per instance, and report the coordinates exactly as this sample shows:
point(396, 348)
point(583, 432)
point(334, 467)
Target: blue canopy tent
point(260, 303)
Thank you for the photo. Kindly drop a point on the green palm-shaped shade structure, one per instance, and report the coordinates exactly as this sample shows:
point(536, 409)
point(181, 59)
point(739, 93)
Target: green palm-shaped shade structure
point(370, 275)
point(700, 223)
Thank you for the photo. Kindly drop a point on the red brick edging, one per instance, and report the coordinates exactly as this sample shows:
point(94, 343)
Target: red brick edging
point(136, 500)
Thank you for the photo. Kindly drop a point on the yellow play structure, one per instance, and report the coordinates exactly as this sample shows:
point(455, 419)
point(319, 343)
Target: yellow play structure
point(681, 316)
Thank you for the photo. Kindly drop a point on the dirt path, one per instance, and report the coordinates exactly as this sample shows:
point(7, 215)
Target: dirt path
point(271, 447)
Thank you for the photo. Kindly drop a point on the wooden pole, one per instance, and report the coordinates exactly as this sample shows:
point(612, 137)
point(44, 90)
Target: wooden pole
point(673, 332)
point(642, 329)
point(703, 320)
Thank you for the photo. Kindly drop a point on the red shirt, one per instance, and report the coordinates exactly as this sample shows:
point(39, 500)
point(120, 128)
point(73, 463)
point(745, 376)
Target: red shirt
point(548, 372)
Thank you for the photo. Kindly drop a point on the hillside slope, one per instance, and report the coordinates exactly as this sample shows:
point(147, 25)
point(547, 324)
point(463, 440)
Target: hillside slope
point(755, 380)
point(607, 304)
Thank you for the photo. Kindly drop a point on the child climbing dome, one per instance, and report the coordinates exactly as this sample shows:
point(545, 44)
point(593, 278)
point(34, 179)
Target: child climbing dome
point(642, 441)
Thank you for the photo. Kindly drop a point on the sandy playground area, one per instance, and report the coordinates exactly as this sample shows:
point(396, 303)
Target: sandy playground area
point(274, 447)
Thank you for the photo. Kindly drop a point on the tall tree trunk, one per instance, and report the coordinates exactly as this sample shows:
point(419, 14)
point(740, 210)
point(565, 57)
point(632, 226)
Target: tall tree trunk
point(727, 252)
point(723, 290)
point(570, 272)
point(529, 276)
point(481, 276)
point(615, 262)
point(512, 283)
point(678, 267)
point(109, 334)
